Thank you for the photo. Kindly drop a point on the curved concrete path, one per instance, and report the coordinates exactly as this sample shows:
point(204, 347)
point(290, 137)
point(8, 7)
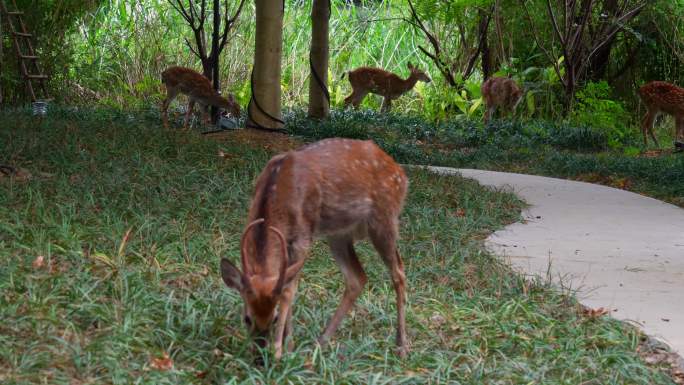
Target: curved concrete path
point(619, 250)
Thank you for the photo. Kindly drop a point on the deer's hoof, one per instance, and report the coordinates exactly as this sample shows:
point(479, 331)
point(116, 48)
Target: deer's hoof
point(403, 351)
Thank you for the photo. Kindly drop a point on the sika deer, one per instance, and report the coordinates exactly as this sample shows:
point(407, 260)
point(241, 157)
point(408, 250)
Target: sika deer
point(341, 189)
point(181, 80)
point(500, 92)
point(663, 97)
point(377, 81)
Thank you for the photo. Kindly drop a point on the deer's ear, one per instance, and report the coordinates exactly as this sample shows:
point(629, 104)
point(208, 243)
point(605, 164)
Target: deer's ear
point(292, 270)
point(232, 277)
point(410, 66)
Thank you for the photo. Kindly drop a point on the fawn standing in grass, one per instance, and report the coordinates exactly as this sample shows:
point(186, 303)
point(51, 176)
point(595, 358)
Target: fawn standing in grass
point(377, 81)
point(181, 80)
point(500, 92)
point(663, 97)
point(341, 189)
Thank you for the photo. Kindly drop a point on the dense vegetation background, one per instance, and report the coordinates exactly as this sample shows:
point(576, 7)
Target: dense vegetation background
point(113, 52)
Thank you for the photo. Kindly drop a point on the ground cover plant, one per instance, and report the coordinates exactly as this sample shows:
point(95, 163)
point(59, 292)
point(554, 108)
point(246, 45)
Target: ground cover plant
point(534, 147)
point(109, 274)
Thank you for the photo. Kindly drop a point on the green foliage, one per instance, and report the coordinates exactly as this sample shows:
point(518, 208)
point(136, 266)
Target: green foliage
point(595, 108)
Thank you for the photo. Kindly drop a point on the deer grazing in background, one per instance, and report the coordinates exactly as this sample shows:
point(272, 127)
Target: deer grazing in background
point(663, 97)
point(377, 81)
point(341, 189)
point(181, 80)
point(500, 92)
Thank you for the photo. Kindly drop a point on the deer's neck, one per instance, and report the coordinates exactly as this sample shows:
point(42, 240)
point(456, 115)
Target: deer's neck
point(218, 100)
point(409, 83)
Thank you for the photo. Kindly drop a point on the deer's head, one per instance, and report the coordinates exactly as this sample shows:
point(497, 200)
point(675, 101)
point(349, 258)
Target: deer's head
point(516, 98)
point(418, 74)
point(233, 107)
point(260, 291)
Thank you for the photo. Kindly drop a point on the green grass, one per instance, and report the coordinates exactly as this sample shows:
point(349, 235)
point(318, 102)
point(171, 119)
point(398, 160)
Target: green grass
point(106, 303)
point(531, 147)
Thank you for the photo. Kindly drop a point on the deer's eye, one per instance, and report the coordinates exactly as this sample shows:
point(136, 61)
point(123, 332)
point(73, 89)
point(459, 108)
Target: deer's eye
point(248, 320)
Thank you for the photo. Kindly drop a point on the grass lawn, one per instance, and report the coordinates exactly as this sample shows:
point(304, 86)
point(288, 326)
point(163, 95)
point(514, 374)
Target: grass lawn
point(130, 221)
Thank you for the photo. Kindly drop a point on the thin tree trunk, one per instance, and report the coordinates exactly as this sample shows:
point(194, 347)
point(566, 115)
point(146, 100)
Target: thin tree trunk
point(215, 55)
point(319, 98)
point(264, 107)
point(486, 57)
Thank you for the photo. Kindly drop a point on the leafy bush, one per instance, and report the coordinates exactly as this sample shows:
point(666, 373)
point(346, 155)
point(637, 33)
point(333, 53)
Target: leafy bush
point(595, 109)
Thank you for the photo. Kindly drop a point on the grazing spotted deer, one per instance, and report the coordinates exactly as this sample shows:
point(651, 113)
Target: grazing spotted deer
point(365, 80)
point(663, 97)
point(500, 92)
point(341, 189)
point(181, 80)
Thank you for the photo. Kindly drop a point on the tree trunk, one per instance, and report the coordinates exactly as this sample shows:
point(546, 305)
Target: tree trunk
point(264, 107)
point(598, 63)
point(486, 57)
point(319, 98)
point(215, 55)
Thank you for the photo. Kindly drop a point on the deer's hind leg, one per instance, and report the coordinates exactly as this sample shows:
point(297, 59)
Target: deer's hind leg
point(679, 128)
point(384, 236)
point(342, 249)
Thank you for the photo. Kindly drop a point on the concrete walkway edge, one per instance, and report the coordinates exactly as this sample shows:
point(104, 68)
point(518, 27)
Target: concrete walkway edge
point(618, 250)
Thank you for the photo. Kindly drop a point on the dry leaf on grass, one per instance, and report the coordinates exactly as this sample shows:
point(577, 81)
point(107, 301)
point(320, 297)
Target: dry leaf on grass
point(39, 262)
point(437, 320)
point(594, 313)
point(164, 363)
point(460, 212)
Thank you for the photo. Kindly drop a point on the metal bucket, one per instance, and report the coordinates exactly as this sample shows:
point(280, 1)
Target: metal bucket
point(228, 123)
point(40, 108)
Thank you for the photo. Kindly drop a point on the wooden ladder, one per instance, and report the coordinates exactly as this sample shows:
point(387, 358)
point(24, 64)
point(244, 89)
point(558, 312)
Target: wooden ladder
point(28, 60)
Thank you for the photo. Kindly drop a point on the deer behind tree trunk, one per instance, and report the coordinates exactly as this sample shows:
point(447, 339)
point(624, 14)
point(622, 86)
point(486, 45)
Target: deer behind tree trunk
point(501, 93)
point(181, 80)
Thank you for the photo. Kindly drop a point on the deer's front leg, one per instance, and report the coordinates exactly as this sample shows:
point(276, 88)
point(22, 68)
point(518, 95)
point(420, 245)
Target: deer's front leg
point(354, 279)
point(386, 104)
point(191, 107)
point(489, 112)
point(284, 314)
point(647, 127)
point(298, 250)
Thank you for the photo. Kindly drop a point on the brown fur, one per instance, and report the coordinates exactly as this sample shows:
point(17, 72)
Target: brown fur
point(500, 92)
point(181, 80)
point(365, 80)
point(662, 97)
point(341, 189)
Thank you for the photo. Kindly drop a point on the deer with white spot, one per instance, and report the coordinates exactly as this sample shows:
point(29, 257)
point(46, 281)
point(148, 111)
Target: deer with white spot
point(661, 97)
point(340, 189)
